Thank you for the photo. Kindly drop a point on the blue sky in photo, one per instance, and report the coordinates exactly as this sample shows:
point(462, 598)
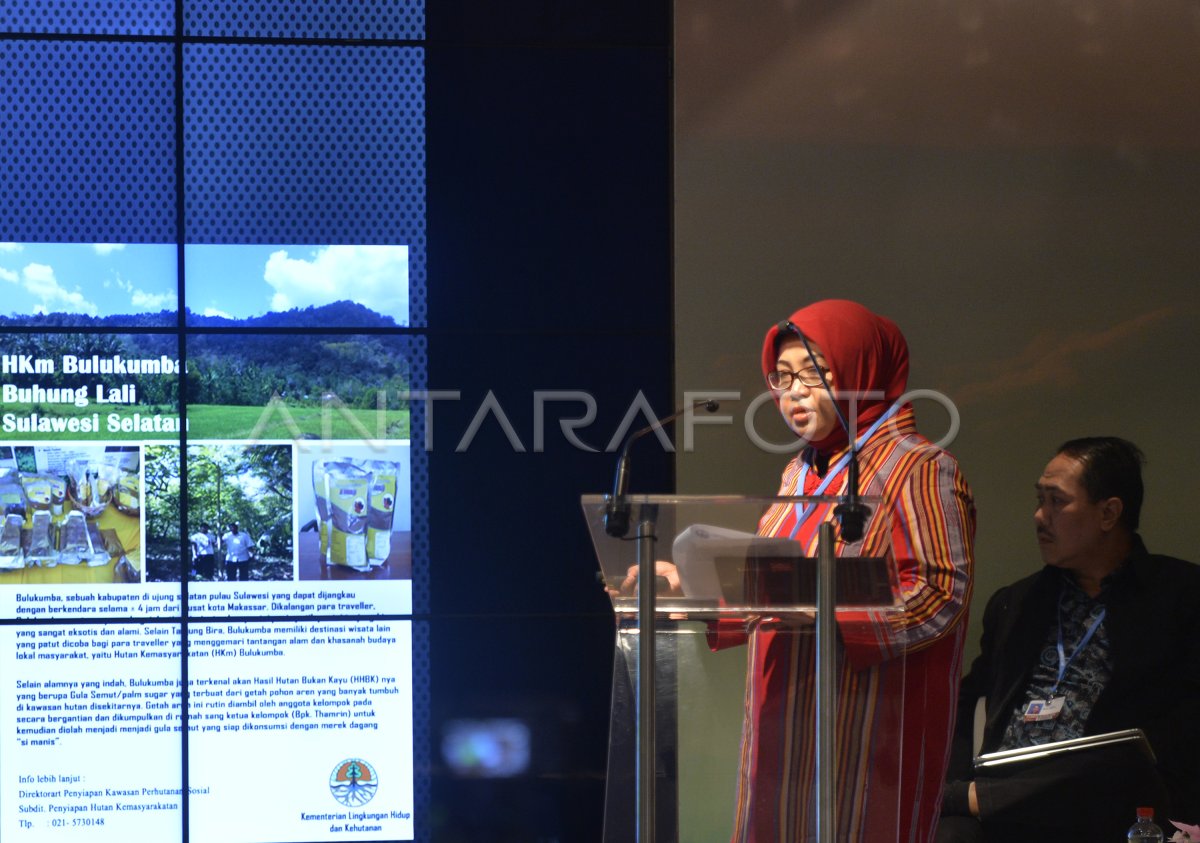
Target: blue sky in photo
point(236, 281)
point(94, 279)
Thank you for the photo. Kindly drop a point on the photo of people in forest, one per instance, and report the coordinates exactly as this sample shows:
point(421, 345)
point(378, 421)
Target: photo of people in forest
point(239, 513)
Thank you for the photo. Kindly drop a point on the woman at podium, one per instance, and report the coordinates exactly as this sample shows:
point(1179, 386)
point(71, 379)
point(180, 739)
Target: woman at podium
point(839, 371)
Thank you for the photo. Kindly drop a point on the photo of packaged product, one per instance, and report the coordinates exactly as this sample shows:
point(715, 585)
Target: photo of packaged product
point(39, 491)
point(74, 544)
point(347, 489)
point(125, 571)
point(384, 477)
point(320, 467)
point(361, 498)
point(12, 495)
point(41, 550)
point(105, 546)
point(12, 556)
point(58, 500)
point(90, 486)
point(127, 495)
point(58, 493)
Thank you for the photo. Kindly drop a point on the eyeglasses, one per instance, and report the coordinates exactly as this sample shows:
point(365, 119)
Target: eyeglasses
point(782, 379)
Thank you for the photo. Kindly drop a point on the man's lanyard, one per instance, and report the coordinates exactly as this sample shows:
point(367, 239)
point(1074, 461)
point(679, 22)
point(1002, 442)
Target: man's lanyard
point(1064, 661)
point(804, 511)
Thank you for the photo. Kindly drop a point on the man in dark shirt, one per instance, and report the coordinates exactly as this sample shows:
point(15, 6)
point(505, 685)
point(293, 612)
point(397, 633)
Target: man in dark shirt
point(1103, 638)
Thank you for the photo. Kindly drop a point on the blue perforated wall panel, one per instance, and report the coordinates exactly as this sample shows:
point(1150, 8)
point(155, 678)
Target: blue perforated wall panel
point(366, 19)
point(88, 149)
point(88, 17)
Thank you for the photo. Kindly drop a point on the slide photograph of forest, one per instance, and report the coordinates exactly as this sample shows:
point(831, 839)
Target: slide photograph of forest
point(250, 485)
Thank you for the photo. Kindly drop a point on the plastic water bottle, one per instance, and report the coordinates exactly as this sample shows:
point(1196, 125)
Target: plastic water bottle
point(1145, 830)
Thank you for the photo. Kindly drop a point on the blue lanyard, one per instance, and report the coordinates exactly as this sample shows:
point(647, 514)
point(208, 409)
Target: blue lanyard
point(804, 511)
point(1063, 660)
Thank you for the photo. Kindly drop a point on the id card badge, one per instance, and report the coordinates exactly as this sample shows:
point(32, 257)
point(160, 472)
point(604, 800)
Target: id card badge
point(1044, 709)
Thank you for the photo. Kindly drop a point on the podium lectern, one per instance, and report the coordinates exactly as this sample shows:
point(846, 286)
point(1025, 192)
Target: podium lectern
point(679, 699)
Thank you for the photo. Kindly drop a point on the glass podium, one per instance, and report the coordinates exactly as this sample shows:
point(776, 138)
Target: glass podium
point(690, 753)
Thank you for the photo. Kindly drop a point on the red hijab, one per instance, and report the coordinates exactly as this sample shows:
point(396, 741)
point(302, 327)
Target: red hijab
point(863, 350)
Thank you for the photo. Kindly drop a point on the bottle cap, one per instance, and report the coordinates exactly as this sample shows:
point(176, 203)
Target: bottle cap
point(1145, 812)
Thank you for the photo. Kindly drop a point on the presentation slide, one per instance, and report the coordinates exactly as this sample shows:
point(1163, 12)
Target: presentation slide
point(303, 729)
point(92, 732)
point(244, 488)
point(323, 709)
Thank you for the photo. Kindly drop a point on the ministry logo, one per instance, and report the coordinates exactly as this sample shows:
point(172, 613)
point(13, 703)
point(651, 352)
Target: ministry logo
point(353, 782)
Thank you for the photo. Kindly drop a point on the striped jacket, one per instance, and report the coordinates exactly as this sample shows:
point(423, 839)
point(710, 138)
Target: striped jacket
point(898, 670)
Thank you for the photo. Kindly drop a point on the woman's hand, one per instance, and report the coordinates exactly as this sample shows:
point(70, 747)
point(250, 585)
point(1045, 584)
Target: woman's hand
point(665, 572)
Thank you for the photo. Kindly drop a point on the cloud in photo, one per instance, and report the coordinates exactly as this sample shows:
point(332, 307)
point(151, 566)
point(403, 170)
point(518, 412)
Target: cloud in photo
point(108, 280)
point(215, 311)
point(52, 297)
point(142, 300)
point(139, 299)
point(374, 276)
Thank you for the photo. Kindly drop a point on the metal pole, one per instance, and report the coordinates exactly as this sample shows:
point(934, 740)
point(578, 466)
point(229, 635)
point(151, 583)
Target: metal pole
point(826, 690)
point(647, 584)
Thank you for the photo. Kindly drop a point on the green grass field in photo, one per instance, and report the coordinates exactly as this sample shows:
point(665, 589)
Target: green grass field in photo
point(206, 421)
point(279, 421)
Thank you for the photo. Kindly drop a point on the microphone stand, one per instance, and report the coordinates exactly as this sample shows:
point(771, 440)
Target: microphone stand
point(852, 515)
point(616, 523)
point(825, 710)
point(647, 666)
point(617, 513)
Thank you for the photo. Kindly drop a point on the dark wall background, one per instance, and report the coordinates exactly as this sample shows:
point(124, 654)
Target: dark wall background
point(549, 259)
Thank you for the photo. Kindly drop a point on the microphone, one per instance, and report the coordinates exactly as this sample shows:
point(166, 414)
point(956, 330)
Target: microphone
point(616, 513)
point(852, 513)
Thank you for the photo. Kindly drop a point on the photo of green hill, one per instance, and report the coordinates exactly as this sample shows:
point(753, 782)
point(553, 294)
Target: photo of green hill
point(281, 379)
point(293, 386)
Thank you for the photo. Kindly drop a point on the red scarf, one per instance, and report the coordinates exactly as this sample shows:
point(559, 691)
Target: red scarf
point(864, 352)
